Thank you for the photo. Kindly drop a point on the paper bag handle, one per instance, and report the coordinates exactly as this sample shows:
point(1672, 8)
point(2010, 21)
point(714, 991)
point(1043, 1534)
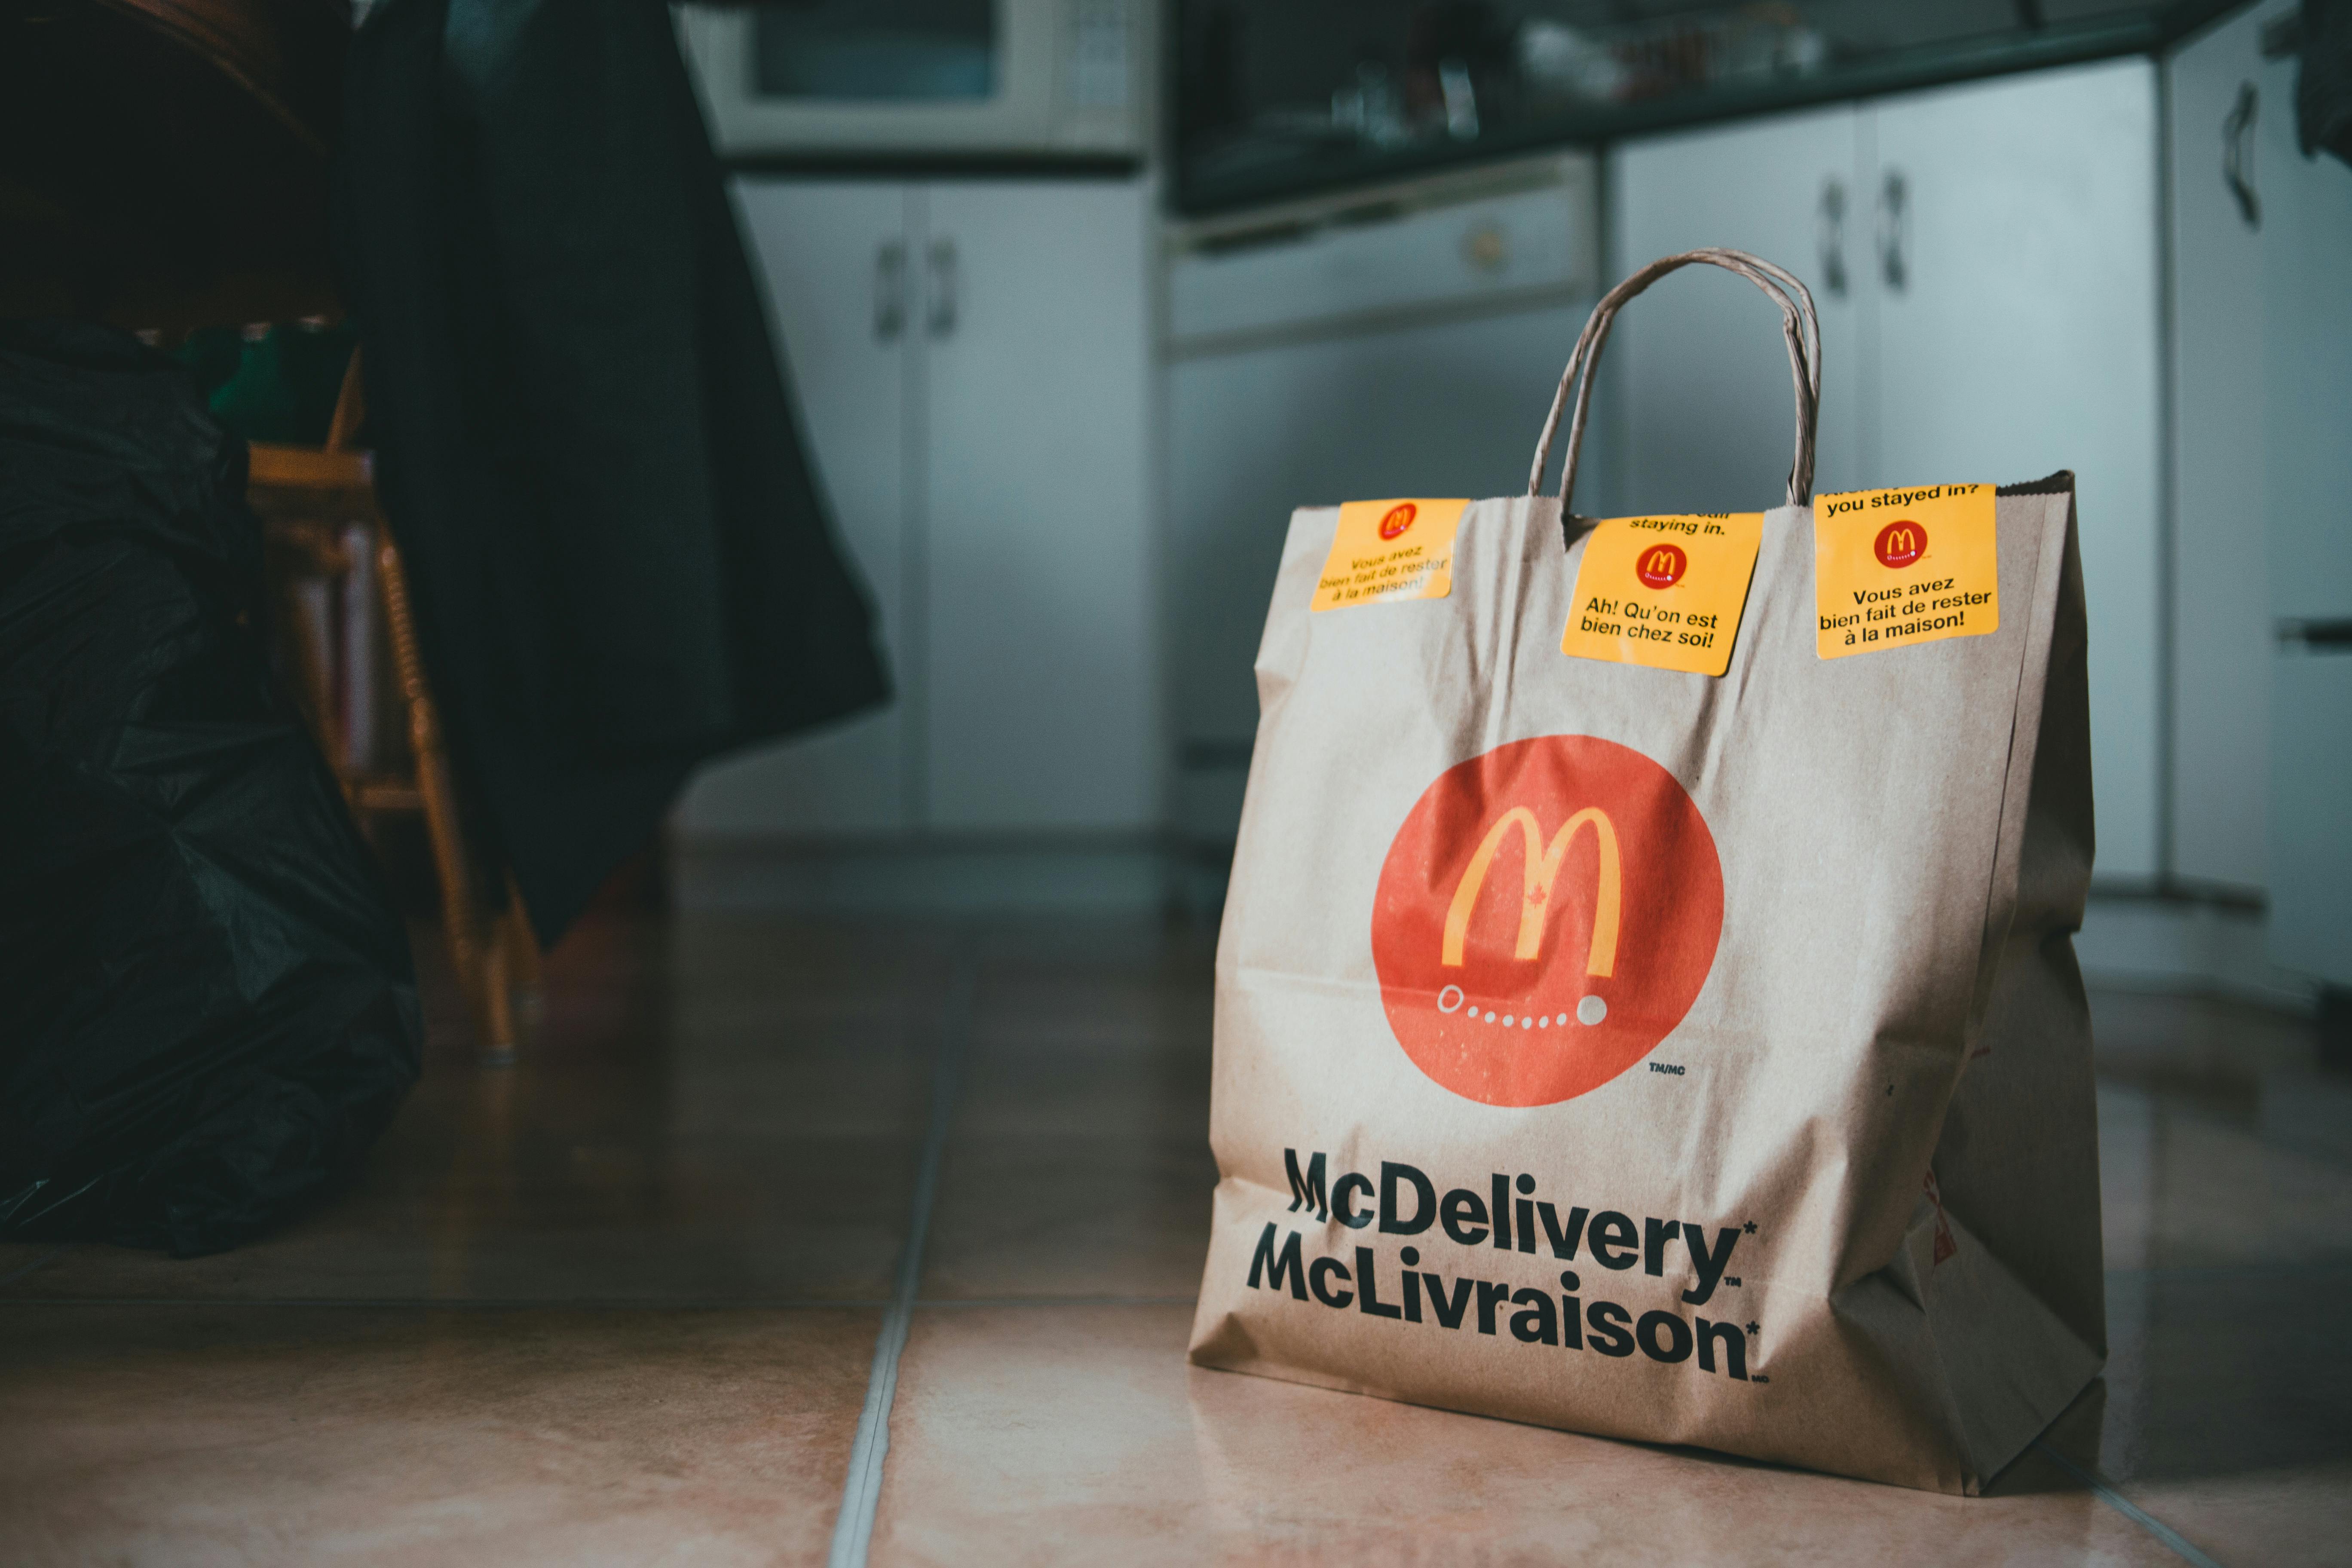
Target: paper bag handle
point(1799, 325)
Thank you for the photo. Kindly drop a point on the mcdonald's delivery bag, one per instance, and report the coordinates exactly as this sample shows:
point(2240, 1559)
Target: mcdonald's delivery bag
point(1645, 1000)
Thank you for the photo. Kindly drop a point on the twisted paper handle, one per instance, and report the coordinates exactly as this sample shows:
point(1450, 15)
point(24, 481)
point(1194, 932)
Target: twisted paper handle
point(1799, 325)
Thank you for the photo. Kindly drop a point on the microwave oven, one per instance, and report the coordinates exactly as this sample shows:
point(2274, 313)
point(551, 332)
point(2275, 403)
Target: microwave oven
point(917, 79)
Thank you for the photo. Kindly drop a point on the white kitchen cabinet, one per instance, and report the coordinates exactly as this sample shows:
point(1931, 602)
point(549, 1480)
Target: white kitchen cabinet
point(828, 253)
point(2220, 593)
point(2263, 377)
point(2306, 288)
point(1709, 418)
point(2310, 926)
point(1042, 706)
point(2307, 402)
point(970, 358)
point(2024, 338)
point(1988, 282)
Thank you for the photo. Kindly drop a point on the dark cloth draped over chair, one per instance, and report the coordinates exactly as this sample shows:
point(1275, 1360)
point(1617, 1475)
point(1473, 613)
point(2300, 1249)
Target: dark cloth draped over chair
point(585, 448)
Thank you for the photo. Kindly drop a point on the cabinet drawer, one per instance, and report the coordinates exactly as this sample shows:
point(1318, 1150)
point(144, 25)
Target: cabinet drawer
point(2311, 821)
point(1515, 244)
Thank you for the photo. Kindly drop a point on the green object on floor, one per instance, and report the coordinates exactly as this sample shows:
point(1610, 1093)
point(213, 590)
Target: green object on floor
point(279, 387)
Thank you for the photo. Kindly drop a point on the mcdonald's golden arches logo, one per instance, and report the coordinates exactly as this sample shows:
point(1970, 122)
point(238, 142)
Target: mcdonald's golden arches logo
point(1398, 519)
point(1547, 915)
point(1661, 565)
point(1899, 544)
point(1542, 870)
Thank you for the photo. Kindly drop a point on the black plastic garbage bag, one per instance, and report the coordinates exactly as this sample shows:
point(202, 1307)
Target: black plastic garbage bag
point(207, 1010)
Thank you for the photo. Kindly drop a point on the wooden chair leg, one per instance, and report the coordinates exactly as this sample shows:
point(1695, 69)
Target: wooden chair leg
point(297, 634)
point(517, 970)
point(522, 946)
point(494, 1005)
point(479, 956)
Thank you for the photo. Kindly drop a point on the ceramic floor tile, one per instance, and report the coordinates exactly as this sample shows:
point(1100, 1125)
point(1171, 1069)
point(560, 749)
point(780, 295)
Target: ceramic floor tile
point(2226, 1411)
point(1078, 1164)
point(20, 1259)
point(2295, 1516)
point(727, 1110)
point(1048, 1434)
point(2202, 1044)
point(2221, 1142)
point(1146, 1082)
point(2214, 1370)
point(553, 1220)
point(1180, 950)
point(669, 1138)
point(614, 982)
point(1070, 1216)
point(196, 1435)
point(2184, 1186)
point(1075, 1003)
point(722, 950)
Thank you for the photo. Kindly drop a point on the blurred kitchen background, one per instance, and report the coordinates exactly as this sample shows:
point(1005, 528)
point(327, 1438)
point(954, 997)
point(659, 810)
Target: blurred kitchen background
point(1082, 296)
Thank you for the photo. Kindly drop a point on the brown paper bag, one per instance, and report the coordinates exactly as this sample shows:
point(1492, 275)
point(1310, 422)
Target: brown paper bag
point(1683, 1058)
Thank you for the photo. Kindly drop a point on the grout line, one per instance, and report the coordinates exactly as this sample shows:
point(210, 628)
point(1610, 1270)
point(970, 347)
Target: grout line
point(960, 1301)
point(37, 1265)
point(585, 1304)
point(861, 1489)
point(2185, 1272)
point(475, 1303)
point(2129, 1509)
point(581, 1303)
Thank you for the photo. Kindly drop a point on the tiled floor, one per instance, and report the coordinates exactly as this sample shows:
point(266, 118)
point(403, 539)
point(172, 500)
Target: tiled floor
point(622, 1304)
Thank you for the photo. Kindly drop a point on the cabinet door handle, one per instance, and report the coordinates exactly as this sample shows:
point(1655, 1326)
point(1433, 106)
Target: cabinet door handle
point(941, 319)
point(1893, 223)
point(1829, 233)
point(889, 290)
point(2238, 153)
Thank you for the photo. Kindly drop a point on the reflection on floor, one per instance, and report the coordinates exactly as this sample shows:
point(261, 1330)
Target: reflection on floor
point(621, 1304)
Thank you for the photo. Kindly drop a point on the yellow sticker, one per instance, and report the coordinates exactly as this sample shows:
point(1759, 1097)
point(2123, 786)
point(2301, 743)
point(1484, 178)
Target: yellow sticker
point(1388, 550)
point(1666, 592)
point(1895, 567)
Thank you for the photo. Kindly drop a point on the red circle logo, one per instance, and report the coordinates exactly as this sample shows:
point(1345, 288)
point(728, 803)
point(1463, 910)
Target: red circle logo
point(1545, 916)
point(1399, 519)
point(1661, 565)
point(1900, 544)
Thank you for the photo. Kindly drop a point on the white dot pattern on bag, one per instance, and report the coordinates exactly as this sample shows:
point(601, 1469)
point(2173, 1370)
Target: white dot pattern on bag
point(1591, 1010)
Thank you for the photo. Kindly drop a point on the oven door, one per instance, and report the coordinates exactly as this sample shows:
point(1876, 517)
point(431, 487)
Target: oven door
point(880, 76)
